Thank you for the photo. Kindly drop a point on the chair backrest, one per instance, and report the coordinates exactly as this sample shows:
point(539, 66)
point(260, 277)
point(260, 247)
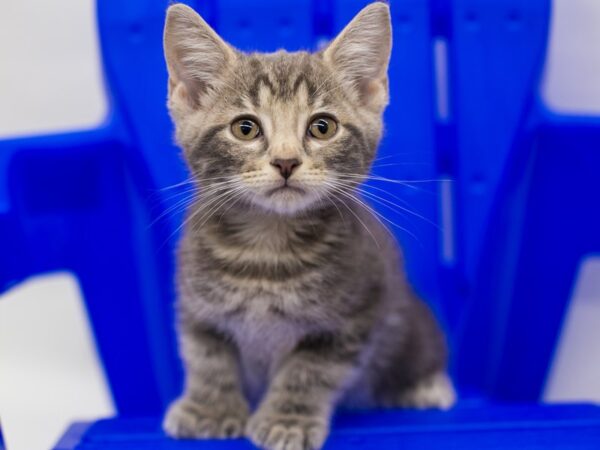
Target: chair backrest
point(463, 115)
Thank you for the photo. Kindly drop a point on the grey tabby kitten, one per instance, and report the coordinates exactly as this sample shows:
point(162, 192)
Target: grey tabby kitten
point(292, 298)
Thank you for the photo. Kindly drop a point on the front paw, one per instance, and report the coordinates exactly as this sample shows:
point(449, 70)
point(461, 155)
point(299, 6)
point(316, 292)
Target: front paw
point(188, 419)
point(273, 431)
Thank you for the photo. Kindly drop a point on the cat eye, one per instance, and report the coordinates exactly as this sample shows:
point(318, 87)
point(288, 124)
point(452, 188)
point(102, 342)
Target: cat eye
point(245, 129)
point(322, 127)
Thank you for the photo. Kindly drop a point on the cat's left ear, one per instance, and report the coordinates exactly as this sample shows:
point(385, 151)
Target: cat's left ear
point(360, 54)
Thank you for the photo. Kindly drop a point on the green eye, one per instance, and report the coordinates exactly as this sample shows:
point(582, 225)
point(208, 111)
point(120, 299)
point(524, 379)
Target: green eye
point(245, 129)
point(322, 127)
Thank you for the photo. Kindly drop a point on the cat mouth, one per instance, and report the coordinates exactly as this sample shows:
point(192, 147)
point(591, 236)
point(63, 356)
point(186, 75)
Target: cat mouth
point(285, 189)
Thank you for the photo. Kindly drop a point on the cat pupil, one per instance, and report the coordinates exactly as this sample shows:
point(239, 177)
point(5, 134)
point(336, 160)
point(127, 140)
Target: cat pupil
point(322, 126)
point(246, 127)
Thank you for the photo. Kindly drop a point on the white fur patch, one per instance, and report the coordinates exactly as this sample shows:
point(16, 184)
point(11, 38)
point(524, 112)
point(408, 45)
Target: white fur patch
point(436, 391)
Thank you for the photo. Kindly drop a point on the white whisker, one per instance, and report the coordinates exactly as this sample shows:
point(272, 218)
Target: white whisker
point(373, 212)
point(389, 204)
point(339, 191)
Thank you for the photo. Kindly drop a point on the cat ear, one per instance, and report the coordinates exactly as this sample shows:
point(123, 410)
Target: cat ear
point(196, 56)
point(361, 52)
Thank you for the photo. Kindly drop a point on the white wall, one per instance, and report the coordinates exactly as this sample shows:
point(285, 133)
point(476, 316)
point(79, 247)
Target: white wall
point(572, 85)
point(50, 80)
point(50, 76)
point(50, 374)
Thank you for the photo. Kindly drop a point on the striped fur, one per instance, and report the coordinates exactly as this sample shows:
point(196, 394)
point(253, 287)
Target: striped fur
point(292, 298)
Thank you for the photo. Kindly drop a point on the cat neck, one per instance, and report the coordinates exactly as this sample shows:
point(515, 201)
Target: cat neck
point(252, 226)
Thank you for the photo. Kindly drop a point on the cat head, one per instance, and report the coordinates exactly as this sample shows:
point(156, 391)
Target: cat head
point(279, 130)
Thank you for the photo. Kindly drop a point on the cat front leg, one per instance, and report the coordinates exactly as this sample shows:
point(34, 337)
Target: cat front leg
point(296, 410)
point(212, 405)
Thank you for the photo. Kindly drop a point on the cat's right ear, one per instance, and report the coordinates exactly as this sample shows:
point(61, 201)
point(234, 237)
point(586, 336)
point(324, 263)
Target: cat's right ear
point(196, 56)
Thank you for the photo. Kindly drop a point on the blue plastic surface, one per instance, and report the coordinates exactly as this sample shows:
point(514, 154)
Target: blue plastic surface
point(2, 445)
point(492, 428)
point(523, 186)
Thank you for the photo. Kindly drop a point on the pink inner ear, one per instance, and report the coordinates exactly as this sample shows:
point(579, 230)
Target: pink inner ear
point(179, 92)
point(373, 92)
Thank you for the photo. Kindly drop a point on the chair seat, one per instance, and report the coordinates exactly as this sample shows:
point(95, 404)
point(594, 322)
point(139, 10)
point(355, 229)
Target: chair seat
point(467, 426)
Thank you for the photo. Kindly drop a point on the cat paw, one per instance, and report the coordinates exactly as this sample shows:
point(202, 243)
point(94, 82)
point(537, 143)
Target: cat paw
point(435, 391)
point(271, 431)
point(187, 419)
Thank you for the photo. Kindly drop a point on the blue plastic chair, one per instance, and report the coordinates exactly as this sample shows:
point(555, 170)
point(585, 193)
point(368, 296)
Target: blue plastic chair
point(519, 197)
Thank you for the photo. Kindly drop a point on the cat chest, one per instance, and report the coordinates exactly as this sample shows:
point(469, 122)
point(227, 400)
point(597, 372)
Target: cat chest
point(262, 344)
point(267, 260)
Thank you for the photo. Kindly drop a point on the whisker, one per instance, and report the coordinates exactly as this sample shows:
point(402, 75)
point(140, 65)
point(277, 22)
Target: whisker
point(376, 214)
point(168, 199)
point(240, 196)
point(363, 185)
point(336, 207)
point(177, 185)
point(393, 155)
point(390, 180)
point(405, 183)
point(214, 197)
point(321, 196)
point(378, 166)
point(354, 214)
point(222, 201)
point(181, 204)
point(194, 180)
point(387, 203)
point(381, 158)
point(391, 205)
point(191, 197)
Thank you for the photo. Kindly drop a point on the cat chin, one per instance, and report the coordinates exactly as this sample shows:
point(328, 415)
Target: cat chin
point(286, 203)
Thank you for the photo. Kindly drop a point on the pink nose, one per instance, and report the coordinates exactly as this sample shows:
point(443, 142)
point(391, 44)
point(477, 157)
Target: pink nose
point(286, 166)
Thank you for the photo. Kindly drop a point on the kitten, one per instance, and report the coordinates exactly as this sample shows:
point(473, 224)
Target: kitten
point(291, 296)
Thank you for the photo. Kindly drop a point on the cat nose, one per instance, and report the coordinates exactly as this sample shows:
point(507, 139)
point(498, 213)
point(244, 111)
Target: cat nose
point(286, 166)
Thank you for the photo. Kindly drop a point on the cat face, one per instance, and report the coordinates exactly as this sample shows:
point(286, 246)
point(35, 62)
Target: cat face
point(278, 130)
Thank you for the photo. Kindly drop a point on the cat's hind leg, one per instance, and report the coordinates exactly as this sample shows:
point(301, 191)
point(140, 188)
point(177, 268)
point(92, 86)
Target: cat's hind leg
point(434, 391)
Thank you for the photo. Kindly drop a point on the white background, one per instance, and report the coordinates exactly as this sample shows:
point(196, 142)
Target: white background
point(50, 79)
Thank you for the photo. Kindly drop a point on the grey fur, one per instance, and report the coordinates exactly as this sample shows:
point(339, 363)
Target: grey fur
point(292, 297)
